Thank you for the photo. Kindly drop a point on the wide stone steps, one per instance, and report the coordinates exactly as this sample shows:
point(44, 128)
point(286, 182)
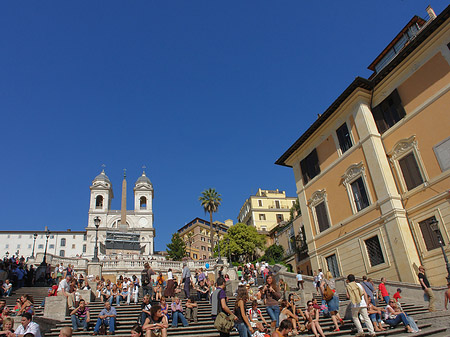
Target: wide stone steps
point(128, 315)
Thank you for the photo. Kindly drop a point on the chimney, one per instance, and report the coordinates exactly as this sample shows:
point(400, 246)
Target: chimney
point(431, 13)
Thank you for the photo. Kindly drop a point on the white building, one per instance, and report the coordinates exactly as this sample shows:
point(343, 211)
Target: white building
point(139, 223)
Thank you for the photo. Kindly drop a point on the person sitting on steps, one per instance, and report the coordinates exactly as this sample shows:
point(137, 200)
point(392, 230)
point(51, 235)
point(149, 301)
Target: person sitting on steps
point(107, 317)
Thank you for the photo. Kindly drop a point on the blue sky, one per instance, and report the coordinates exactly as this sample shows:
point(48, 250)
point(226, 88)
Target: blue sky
point(204, 93)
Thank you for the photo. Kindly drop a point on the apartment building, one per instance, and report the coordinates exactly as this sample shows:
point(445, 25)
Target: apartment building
point(373, 171)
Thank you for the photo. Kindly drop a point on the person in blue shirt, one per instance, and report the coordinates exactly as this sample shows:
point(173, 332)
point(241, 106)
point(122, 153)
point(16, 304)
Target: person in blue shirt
point(108, 317)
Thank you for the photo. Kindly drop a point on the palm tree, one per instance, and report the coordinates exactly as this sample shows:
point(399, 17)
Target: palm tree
point(210, 200)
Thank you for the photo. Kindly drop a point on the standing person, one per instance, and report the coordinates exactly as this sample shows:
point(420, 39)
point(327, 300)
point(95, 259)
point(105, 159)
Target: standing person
point(368, 288)
point(299, 278)
point(186, 279)
point(333, 302)
point(447, 296)
point(426, 288)
point(161, 281)
point(146, 280)
point(383, 291)
point(170, 287)
point(271, 296)
point(219, 303)
point(242, 323)
point(108, 317)
point(316, 282)
point(359, 300)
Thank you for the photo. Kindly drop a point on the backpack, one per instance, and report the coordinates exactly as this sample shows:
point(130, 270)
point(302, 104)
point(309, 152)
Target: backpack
point(328, 293)
point(144, 277)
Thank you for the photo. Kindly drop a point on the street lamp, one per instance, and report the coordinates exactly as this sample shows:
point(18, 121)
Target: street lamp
point(229, 256)
point(44, 260)
point(219, 261)
point(34, 244)
point(435, 228)
point(97, 223)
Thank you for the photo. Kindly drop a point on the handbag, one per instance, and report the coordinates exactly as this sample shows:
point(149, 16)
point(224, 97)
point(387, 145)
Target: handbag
point(328, 293)
point(224, 323)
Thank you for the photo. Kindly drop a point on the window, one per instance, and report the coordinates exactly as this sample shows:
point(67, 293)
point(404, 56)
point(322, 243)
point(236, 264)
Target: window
point(209, 249)
point(333, 265)
point(51, 246)
point(99, 202)
point(429, 236)
point(62, 253)
point(74, 236)
point(410, 171)
point(204, 257)
point(322, 218)
point(30, 237)
point(374, 251)
point(202, 239)
point(280, 218)
point(63, 242)
point(9, 236)
point(73, 246)
point(345, 141)
point(143, 202)
point(407, 162)
point(84, 237)
point(51, 236)
point(40, 246)
point(194, 256)
point(84, 248)
point(29, 246)
point(263, 228)
point(388, 112)
point(262, 217)
point(260, 203)
point(20, 236)
point(204, 248)
point(18, 246)
point(359, 194)
point(442, 152)
point(310, 166)
point(277, 204)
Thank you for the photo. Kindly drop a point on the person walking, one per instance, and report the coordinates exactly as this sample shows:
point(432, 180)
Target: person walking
point(186, 279)
point(427, 288)
point(359, 300)
point(271, 296)
point(332, 299)
point(219, 303)
point(383, 291)
point(146, 280)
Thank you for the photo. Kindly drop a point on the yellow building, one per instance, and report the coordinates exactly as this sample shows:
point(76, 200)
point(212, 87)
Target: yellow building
point(266, 209)
point(196, 235)
point(372, 172)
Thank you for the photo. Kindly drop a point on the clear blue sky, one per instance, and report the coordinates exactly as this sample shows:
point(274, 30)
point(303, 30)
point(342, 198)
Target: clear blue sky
point(204, 93)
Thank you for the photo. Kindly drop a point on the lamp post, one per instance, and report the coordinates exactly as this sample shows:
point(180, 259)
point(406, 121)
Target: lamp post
point(219, 261)
point(435, 228)
point(44, 260)
point(34, 244)
point(97, 223)
point(229, 256)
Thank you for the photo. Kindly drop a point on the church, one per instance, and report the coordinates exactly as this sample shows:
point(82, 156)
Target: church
point(120, 232)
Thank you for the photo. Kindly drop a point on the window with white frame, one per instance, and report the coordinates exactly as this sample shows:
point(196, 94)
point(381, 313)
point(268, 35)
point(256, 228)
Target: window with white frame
point(355, 181)
point(407, 162)
point(318, 204)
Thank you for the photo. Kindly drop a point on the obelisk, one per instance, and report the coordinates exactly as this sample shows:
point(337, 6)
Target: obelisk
point(123, 210)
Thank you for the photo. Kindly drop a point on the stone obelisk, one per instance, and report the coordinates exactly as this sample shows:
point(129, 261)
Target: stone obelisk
point(123, 210)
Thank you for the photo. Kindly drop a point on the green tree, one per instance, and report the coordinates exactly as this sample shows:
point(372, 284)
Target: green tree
point(210, 200)
point(274, 253)
point(176, 248)
point(242, 241)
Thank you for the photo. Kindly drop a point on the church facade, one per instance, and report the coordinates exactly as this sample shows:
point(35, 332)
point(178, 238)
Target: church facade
point(119, 231)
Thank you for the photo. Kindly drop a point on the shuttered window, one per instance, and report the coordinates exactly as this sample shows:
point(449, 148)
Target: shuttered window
point(322, 218)
point(388, 112)
point(359, 194)
point(429, 236)
point(310, 166)
point(374, 251)
point(333, 265)
point(410, 171)
point(345, 142)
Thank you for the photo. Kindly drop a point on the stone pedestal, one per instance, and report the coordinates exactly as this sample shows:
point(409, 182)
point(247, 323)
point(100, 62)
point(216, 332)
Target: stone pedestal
point(95, 269)
point(87, 295)
point(56, 308)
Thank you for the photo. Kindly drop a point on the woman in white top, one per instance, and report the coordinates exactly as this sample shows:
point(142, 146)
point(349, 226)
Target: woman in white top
point(170, 287)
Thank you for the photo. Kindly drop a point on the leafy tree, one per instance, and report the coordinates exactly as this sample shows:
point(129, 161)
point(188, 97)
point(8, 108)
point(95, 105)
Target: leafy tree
point(242, 241)
point(274, 253)
point(176, 248)
point(210, 200)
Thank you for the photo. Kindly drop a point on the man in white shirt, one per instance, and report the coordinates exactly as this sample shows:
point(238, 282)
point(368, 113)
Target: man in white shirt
point(27, 327)
point(358, 298)
point(63, 290)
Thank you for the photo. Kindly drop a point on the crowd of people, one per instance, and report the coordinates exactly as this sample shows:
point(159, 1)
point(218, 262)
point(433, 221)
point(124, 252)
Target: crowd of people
point(161, 304)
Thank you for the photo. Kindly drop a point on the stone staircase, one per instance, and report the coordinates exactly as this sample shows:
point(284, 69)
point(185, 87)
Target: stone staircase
point(431, 324)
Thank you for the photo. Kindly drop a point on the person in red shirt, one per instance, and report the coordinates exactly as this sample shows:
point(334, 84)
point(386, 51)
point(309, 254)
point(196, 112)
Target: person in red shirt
point(383, 290)
point(397, 294)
